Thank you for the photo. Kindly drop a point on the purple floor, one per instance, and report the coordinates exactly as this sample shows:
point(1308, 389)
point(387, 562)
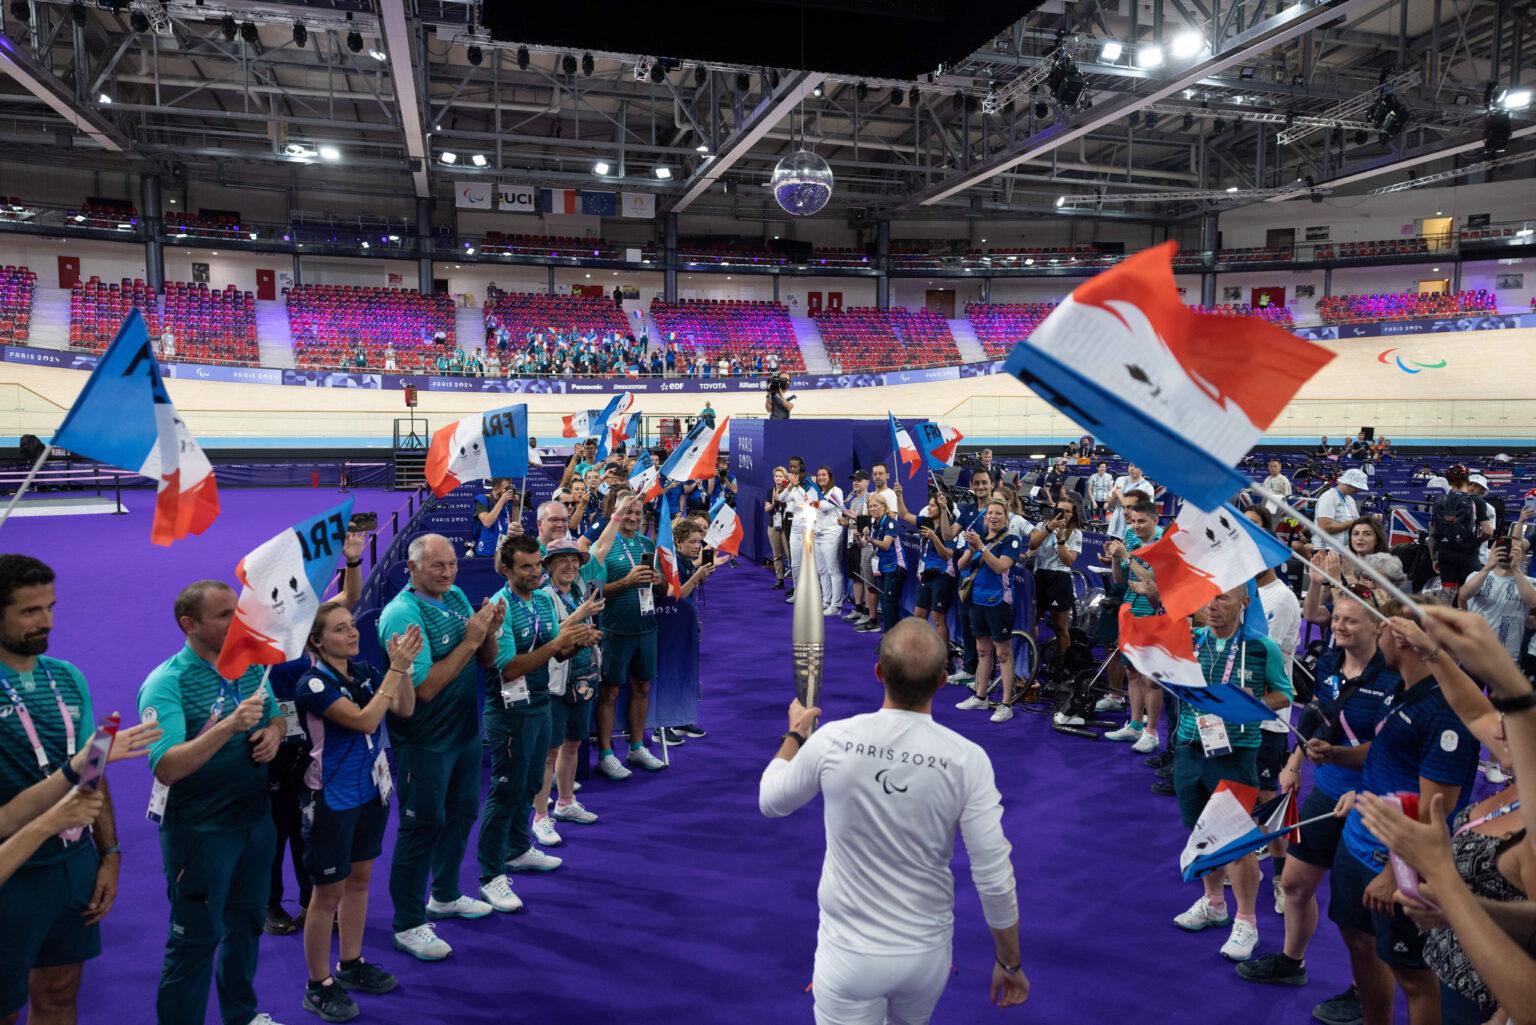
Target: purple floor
point(683, 903)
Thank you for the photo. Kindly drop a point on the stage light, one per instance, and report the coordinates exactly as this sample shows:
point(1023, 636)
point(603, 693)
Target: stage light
point(1218, 127)
point(1188, 44)
point(819, 91)
point(1496, 132)
point(743, 81)
point(861, 92)
point(1245, 72)
point(78, 15)
point(522, 58)
point(1065, 82)
point(449, 157)
point(1361, 137)
point(702, 147)
point(1149, 56)
point(897, 96)
point(588, 65)
point(377, 54)
point(1110, 52)
point(227, 26)
point(1389, 116)
point(300, 34)
point(21, 11)
point(1061, 201)
point(248, 33)
point(1189, 121)
point(355, 41)
point(1231, 188)
point(1041, 110)
point(568, 64)
point(1516, 99)
point(914, 97)
point(104, 98)
point(138, 22)
point(479, 160)
point(475, 55)
point(663, 172)
point(330, 153)
point(601, 168)
point(658, 73)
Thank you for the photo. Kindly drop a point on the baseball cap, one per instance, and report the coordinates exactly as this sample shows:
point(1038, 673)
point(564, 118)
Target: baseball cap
point(1355, 479)
point(859, 475)
point(566, 546)
point(1479, 480)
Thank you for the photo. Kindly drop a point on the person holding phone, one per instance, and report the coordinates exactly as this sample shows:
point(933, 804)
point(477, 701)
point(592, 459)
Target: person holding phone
point(1058, 542)
point(854, 519)
point(629, 655)
point(988, 560)
point(497, 514)
point(777, 512)
point(936, 571)
point(1500, 591)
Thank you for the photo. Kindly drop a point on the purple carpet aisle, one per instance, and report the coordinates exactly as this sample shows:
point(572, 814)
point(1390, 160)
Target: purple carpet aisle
point(683, 904)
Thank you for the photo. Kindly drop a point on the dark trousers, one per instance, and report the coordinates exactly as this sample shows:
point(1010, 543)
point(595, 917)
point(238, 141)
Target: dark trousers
point(967, 638)
point(518, 744)
point(217, 885)
point(439, 798)
point(890, 597)
point(285, 785)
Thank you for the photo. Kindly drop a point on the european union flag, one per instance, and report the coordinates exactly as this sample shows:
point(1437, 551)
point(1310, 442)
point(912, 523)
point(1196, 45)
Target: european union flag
point(600, 204)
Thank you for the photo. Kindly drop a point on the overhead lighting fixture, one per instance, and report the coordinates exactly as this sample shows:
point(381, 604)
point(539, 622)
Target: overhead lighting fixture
point(588, 65)
point(377, 54)
point(300, 34)
point(227, 26)
point(602, 167)
point(478, 160)
point(702, 147)
point(104, 98)
point(861, 91)
point(663, 172)
point(475, 55)
point(1149, 56)
point(138, 22)
point(248, 33)
point(330, 153)
point(897, 97)
point(470, 251)
point(1231, 188)
point(1188, 44)
point(1061, 201)
point(658, 72)
point(1110, 52)
point(1245, 72)
point(1516, 99)
point(819, 91)
point(522, 58)
point(1041, 110)
point(568, 64)
point(743, 82)
point(355, 41)
point(449, 157)
point(1189, 121)
point(700, 74)
point(21, 11)
point(1029, 261)
point(1496, 132)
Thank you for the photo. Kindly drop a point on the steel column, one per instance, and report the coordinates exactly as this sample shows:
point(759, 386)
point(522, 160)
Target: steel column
point(154, 248)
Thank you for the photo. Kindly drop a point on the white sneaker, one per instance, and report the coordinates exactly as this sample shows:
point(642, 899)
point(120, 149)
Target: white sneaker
point(961, 679)
point(791, 599)
point(1109, 703)
point(1062, 719)
point(1003, 713)
point(534, 860)
point(1201, 916)
point(459, 907)
point(263, 1019)
point(499, 892)
point(1279, 898)
point(610, 766)
point(1146, 743)
point(573, 812)
point(642, 757)
point(544, 832)
point(974, 702)
point(1239, 946)
point(1126, 732)
point(422, 943)
point(831, 610)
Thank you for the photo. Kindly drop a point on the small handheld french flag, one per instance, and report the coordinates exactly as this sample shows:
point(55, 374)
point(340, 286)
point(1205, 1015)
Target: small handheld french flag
point(666, 550)
point(696, 457)
point(493, 444)
point(724, 533)
point(1203, 554)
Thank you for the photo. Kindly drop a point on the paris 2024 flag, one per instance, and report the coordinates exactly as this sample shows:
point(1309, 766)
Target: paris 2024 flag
point(493, 444)
point(282, 582)
point(124, 417)
point(1184, 395)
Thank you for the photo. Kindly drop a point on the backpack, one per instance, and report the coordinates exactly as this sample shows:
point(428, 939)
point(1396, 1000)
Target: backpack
point(1454, 520)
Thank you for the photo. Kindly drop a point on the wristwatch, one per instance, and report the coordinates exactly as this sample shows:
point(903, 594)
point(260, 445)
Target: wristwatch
point(799, 739)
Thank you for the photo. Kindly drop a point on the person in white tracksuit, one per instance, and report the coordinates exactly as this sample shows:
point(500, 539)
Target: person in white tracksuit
point(797, 507)
point(828, 542)
point(897, 785)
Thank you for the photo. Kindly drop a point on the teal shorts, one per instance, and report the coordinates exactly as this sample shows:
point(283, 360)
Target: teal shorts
point(571, 722)
point(40, 909)
point(628, 657)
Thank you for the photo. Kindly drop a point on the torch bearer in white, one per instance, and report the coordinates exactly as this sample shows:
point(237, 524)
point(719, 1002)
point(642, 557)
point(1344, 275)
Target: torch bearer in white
point(809, 630)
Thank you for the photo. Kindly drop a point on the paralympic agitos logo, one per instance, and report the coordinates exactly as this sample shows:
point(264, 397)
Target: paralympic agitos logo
point(1413, 366)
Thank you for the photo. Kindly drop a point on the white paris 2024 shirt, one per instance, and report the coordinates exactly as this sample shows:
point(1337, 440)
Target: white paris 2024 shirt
point(897, 784)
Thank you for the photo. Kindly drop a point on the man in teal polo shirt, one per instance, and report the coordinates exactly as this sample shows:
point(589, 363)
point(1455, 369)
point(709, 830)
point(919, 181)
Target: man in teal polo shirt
point(517, 719)
point(437, 750)
point(629, 654)
point(50, 908)
point(216, 832)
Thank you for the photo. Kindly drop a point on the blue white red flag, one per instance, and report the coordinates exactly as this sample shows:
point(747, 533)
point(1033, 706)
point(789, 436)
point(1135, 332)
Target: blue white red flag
point(1231, 827)
point(281, 586)
point(724, 533)
point(493, 444)
point(666, 550)
point(1201, 555)
point(949, 441)
point(579, 425)
point(644, 478)
point(697, 454)
point(1182, 394)
point(1161, 648)
point(1405, 528)
point(125, 417)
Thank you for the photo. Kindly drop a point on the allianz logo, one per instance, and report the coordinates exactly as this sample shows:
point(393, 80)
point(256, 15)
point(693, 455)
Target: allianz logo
point(750, 385)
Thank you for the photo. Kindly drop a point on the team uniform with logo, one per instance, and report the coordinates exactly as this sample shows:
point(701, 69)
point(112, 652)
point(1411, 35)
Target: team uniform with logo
point(629, 619)
point(345, 815)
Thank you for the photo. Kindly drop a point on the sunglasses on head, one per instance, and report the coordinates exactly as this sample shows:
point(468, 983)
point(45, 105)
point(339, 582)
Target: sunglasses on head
point(1364, 592)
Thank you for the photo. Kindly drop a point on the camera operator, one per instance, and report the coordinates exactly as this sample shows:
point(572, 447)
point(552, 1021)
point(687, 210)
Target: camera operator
point(776, 403)
point(723, 480)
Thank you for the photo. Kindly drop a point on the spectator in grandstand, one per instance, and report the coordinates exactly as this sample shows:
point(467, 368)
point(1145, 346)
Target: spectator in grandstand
point(1336, 510)
point(168, 343)
point(1099, 487)
point(1054, 478)
point(1501, 593)
point(1277, 482)
point(1131, 480)
point(492, 364)
point(1460, 522)
point(1059, 541)
point(474, 365)
point(1366, 537)
point(1381, 451)
point(359, 356)
point(389, 356)
point(1070, 452)
point(1323, 450)
point(457, 361)
point(1359, 448)
point(707, 415)
point(987, 563)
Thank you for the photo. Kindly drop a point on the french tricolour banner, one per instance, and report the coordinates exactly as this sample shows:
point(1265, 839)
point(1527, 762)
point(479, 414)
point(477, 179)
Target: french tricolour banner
point(1183, 394)
point(666, 550)
point(724, 533)
point(1201, 555)
point(1231, 828)
point(696, 456)
point(1161, 647)
point(560, 201)
point(493, 444)
point(124, 417)
point(644, 478)
point(949, 440)
point(579, 425)
point(281, 584)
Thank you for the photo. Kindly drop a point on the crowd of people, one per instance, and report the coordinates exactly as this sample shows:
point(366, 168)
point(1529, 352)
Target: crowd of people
point(289, 765)
point(568, 353)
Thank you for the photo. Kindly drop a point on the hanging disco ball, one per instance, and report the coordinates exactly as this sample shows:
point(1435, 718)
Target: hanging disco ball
point(802, 183)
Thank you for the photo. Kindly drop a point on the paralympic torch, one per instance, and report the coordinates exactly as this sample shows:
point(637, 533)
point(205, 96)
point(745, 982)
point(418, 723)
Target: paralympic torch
point(809, 630)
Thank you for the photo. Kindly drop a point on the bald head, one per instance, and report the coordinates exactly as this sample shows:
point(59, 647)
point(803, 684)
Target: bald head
point(912, 663)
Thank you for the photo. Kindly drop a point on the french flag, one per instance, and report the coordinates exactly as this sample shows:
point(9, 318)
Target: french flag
point(617, 406)
point(696, 456)
point(493, 444)
point(560, 201)
point(1404, 529)
point(645, 479)
point(576, 425)
point(949, 440)
point(1161, 647)
point(724, 533)
point(124, 417)
point(909, 463)
point(281, 586)
point(1231, 827)
point(1203, 554)
point(1183, 394)
point(666, 551)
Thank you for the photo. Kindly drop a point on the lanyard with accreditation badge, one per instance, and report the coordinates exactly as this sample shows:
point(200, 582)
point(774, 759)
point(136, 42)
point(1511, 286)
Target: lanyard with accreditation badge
point(380, 771)
point(1213, 730)
point(514, 693)
point(159, 793)
point(31, 728)
point(646, 598)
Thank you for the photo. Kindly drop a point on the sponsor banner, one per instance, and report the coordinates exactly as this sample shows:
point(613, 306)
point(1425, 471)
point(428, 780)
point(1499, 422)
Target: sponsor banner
point(472, 195)
point(49, 358)
point(517, 199)
point(981, 369)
